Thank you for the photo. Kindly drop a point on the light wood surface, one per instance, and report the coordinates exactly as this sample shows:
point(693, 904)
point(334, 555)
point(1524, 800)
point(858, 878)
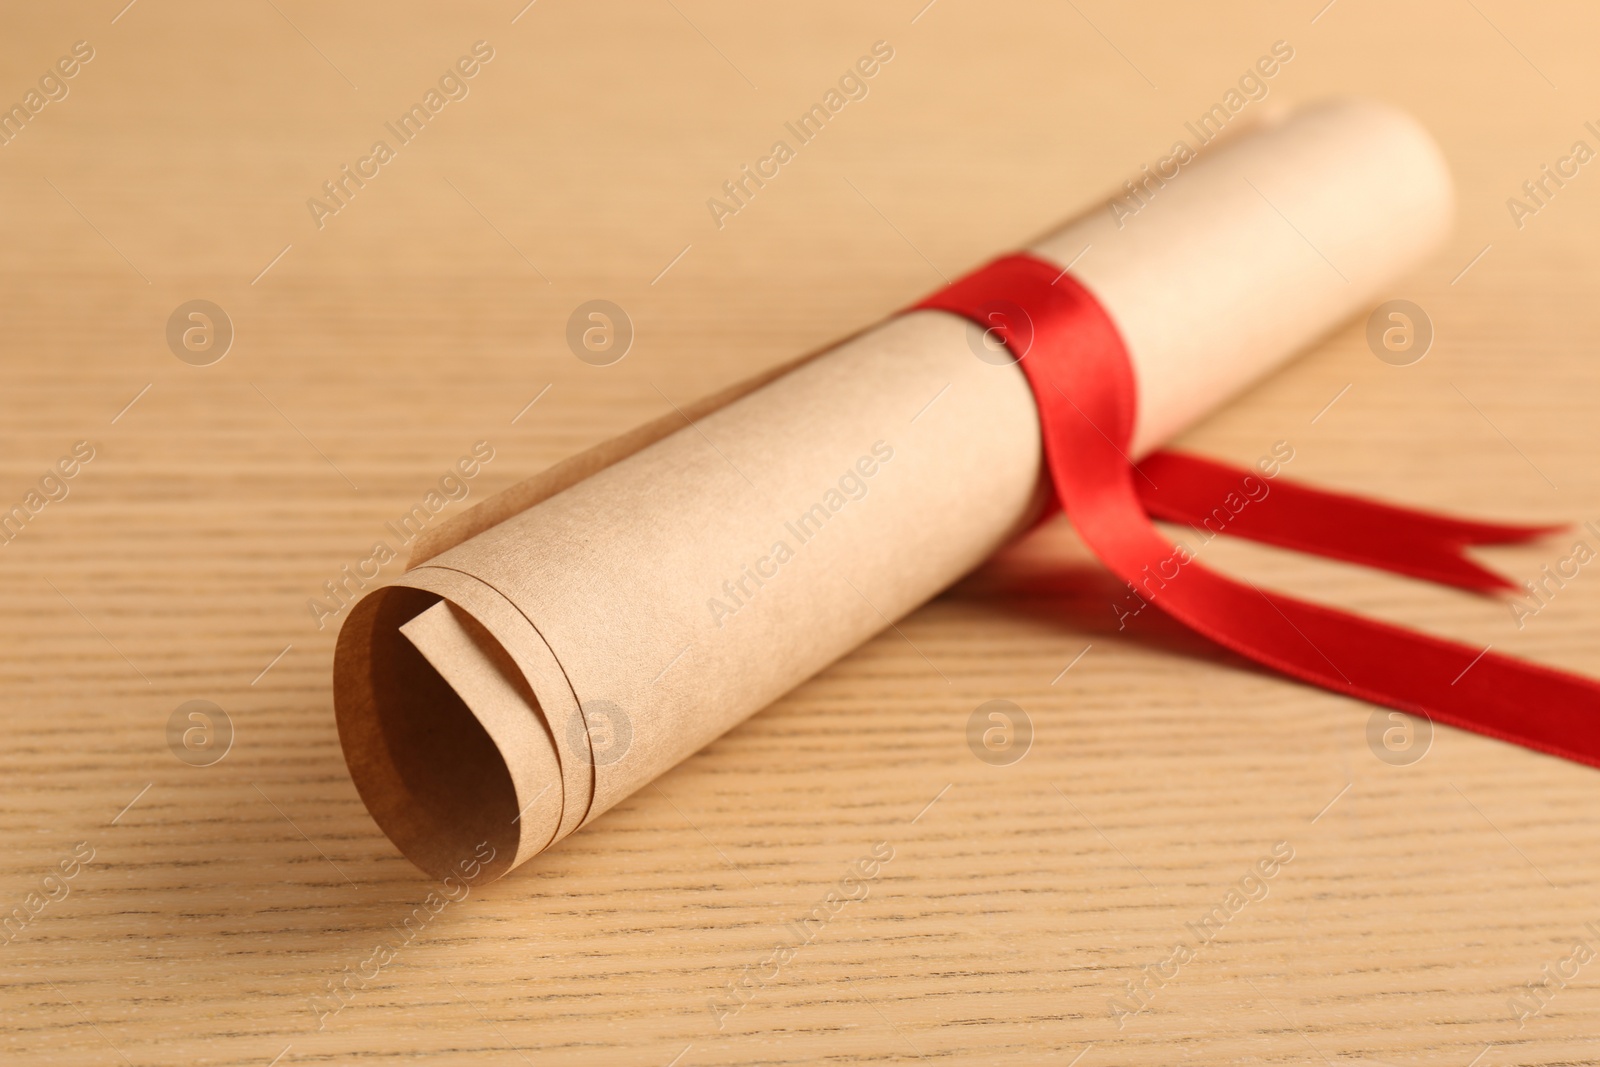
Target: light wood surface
point(425, 315)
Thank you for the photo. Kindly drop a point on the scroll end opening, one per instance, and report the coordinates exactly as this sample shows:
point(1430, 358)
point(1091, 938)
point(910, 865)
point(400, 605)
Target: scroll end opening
point(427, 769)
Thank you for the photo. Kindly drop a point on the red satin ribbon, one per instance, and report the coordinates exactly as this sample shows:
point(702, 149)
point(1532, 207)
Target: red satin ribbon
point(1083, 382)
point(1190, 489)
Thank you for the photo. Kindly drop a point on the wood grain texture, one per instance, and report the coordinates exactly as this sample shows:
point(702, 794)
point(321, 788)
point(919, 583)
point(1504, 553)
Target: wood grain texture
point(431, 309)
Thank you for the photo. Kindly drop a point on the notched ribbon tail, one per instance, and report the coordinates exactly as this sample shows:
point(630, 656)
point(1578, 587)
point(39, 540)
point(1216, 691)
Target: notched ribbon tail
point(1214, 498)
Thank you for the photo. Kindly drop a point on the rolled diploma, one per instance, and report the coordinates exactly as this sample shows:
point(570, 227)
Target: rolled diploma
point(592, 633)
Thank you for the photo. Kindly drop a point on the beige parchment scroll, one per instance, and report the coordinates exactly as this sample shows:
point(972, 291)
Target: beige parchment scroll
point(561, 644)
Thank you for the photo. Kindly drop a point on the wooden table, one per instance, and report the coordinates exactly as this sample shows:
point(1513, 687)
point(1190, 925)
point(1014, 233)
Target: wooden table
point(210, 906)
